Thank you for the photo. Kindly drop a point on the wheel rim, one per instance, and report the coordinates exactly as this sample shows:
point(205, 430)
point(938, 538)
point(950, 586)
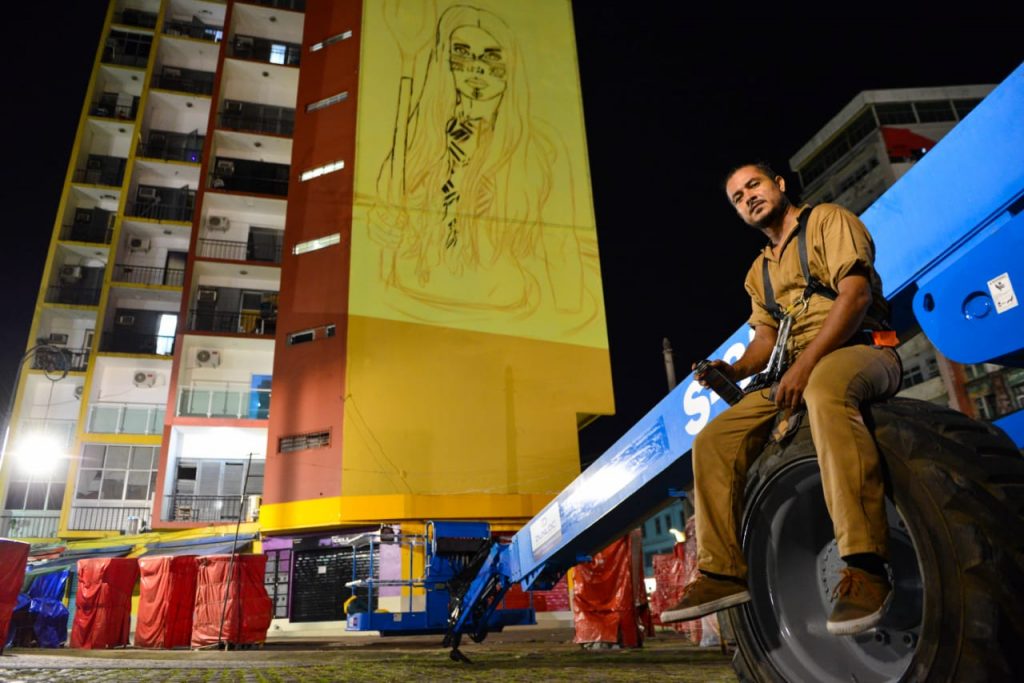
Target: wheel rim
point(794, 566)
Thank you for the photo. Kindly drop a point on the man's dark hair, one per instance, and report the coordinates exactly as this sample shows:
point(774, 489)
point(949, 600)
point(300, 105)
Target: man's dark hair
point(762, 166)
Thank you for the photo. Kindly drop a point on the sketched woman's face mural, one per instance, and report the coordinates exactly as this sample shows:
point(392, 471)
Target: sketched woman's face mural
point(477, 63)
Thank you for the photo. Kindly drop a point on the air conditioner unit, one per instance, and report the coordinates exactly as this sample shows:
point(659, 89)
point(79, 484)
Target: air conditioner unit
point(79, 390)
point(207, 358)
point(217, 223)
point(207, 295)
point(57, 338)
point(70, 273)
point(144, 379)
point(125, 319)
point(252, 507)
point(146, 193)
point(139, 243)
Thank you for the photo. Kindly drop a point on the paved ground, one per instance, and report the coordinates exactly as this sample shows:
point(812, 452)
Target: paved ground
point(521, 655)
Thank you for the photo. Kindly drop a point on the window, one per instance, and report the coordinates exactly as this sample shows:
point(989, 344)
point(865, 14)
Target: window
point(301, 442)
point(657, 526)
point(277, 53)
point(165, 334)
point(964, 107)
point(114, 472)
point(34, 491)
point(936, 110)
point(895, 112)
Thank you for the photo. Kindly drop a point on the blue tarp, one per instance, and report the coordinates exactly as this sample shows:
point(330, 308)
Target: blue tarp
point(42, 608)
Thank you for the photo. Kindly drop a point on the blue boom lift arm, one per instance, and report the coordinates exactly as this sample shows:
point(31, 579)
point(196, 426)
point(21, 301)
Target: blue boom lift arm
point(950, 240)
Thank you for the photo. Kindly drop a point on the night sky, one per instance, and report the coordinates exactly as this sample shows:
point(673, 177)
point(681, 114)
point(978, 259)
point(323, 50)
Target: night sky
point(671, 101)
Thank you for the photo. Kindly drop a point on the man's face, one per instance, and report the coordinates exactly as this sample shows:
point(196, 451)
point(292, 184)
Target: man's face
point(758, 199)
point(477, 63)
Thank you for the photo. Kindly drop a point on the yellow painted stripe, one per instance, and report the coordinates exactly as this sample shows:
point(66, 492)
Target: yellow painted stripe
point(122, 439)
point(322, 513)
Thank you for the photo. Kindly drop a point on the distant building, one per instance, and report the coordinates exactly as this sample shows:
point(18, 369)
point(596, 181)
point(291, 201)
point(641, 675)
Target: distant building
point(852, 161)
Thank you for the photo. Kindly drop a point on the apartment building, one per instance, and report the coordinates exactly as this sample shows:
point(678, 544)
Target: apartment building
point(258, 307)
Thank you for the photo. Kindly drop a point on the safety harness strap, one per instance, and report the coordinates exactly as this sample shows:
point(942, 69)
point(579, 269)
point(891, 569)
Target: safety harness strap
point(814, 285)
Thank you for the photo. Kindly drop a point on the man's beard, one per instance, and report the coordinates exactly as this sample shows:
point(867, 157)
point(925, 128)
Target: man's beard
point(772, 217)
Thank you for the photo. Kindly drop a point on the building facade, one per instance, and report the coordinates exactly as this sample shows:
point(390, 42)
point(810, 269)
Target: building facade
point(325, 265)
point(852, 161)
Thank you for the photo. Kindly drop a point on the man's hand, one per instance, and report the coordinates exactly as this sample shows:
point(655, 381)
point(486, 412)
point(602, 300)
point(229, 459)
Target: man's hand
point(723, 367)
point(790, 391)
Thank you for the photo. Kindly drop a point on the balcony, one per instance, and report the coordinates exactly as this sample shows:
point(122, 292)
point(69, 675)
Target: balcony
point(89, 233)
point(245, 175)
point(252, 117)
point(239, 251)
point(30, 525)
point(172, 150)
point(202, 320)
point(148, 275)
point(125, 418)
point(136, 17)
point(184, 80)
point(189, 508)
point(73, 295)
point(159, 212)
point(265, 50)
point(113, 105)
point(101, 170)
point(193, 29)
point(48, 358)
point(126, 48)
point(126, 341)
point(129, 519)
point(223, 399)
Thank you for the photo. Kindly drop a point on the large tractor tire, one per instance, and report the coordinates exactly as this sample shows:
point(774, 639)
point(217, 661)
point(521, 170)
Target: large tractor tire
point(955, 503)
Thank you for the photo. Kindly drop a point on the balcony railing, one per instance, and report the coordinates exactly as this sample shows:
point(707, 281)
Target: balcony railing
point(112, 110)
point(200, 320)
point(148, 275)
point(61, 431)
point(223, 400)
point(193, 29)
point(136, 17)
point(130, 519)
point(32, 525)
point(79, 232)
point(247, 183)
point(126, 341)
point(188, 508)
point(275, 123)
point(197, 85)
point(297, 5)
point(170, 152)
point(238, 251)
point(126, 418)
point(75, 360)
point(265, 50)
point(158, 212)
point(73, 295)
point(92, 176)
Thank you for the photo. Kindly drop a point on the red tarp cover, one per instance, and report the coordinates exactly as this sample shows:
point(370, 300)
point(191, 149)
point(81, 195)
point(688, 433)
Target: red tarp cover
point(103, 606)
point(167, 598)
point(609, 600)
point(248, 610)
point(13, 559)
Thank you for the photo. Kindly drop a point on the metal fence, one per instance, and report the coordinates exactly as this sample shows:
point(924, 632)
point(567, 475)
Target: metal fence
point(158, 211)
point(261, 123)
point(73, 295)
point(79, 233)
point(200, 320)
point(129, 519)
point(188, 508)
point(75, 360)
point(237, 251)
point(39, 525)
point(125, 341)
point(193, 29)
point(148, 275)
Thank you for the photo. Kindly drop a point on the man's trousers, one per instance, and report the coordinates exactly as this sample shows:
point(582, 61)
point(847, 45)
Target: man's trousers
point(851, 473)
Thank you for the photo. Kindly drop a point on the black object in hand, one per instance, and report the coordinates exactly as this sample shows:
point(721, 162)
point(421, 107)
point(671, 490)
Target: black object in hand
point(719, 382)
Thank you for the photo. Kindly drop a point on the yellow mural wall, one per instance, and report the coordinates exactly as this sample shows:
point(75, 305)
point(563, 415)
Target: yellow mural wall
point(476, 331)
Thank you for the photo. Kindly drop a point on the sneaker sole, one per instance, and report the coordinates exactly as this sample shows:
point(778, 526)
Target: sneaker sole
point(852, 627)
point(707, 608)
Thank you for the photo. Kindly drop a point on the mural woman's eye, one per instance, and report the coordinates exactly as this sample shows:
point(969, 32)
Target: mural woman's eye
point(491, 56)
point(460, 50)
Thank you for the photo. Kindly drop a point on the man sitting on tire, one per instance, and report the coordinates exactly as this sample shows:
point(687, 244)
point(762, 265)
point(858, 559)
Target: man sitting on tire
point(837, 360)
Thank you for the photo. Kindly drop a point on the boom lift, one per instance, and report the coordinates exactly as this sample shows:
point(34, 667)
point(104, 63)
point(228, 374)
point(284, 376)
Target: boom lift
point(950, 243)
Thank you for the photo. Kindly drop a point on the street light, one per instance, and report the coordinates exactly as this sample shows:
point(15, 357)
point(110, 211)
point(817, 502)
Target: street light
point(55, 364)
